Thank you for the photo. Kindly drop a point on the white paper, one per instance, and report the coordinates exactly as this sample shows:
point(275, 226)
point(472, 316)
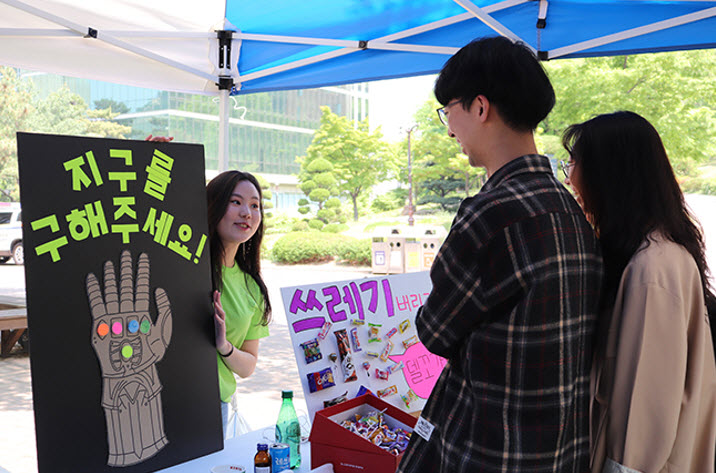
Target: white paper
point(424, 428)
point(385, 300)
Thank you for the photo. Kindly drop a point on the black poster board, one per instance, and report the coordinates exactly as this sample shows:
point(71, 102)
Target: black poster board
point(123, 361)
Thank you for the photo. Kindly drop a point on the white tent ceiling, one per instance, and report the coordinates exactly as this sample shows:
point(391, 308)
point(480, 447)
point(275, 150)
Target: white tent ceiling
point(289, 44)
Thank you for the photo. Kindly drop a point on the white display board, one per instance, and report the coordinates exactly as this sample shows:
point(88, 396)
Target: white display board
point(380, 313)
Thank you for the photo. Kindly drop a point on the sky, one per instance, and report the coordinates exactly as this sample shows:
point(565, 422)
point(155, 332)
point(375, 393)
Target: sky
point(394, 102)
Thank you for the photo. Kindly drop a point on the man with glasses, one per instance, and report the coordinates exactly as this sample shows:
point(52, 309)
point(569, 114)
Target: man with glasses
point(516, 286)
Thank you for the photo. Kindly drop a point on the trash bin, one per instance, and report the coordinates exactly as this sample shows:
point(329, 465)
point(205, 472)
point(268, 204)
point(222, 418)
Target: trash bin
point(396, 259)
point(380, 254)
point(412, 255)
point(430, 242)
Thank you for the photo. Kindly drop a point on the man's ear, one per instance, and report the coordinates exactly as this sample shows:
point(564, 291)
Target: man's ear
point(483, 107)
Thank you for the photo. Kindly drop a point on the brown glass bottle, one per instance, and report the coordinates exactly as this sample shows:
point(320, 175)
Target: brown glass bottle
point(262, 459)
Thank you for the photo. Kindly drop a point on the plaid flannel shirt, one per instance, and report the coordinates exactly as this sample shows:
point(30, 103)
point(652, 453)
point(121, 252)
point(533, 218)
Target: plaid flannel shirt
point(516, 288)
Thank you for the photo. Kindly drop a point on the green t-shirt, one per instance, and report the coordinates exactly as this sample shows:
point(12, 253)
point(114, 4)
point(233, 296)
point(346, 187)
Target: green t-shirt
point(243, 304)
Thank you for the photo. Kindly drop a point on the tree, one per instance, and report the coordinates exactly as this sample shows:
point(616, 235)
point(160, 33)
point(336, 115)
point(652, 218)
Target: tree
point(64, 112)
point(675, 91)
point(316, 179)
point(112, 105)
point(266, 199)
point(441, 172)
point(101, 124)
point(15, 98)
point(343, 159)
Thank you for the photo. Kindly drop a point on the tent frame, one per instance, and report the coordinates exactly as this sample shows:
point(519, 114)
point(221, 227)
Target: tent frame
point(228, 81)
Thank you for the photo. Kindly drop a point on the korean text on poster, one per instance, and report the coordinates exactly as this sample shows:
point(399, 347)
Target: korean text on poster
point(350, 336)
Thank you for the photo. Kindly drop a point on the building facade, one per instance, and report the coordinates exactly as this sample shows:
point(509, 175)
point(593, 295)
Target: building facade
point(267, 130)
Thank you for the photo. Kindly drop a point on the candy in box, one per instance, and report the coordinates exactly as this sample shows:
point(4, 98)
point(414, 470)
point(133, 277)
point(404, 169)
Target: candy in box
point(348, 451)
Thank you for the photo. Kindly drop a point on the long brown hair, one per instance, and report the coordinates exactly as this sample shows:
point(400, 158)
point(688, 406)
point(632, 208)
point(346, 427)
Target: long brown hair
point(629, 191)
point(248, 256)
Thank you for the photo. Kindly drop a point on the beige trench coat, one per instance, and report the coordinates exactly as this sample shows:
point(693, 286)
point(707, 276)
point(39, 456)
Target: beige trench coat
point(654, 376)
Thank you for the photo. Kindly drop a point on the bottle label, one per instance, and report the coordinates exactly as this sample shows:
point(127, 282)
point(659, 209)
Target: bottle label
point(294, 432)
point(262, 469)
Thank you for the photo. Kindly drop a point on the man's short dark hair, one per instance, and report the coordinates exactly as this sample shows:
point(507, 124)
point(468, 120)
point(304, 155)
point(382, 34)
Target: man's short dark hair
point(505, 72)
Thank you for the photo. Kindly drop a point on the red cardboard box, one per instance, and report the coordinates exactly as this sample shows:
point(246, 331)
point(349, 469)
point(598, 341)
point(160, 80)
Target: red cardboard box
point(349, 452)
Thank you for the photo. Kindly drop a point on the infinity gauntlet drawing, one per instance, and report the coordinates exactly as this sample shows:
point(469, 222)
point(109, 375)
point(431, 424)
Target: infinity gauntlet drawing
point(128, 346)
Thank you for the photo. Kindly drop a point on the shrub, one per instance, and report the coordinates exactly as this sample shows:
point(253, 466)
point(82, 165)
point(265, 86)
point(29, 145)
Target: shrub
point(386, 202)
point(304, 247)
point(319, 165)
point(319, 195)
point(316, 224)
point(699, 185)
point(335, 228)
point(355, 251)
point(332, 203)
point(280, 223)
point(312, 247)
point(300, 226)
point(307, 186)
point(326, 215)
point(299, 247)
point(325, 180)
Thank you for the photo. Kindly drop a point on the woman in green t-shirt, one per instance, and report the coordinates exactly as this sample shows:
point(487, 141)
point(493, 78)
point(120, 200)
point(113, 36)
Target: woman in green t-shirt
point(242, 310)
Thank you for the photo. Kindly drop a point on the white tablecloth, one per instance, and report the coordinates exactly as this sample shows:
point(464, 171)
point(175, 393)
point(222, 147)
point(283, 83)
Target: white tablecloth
point(239, 451)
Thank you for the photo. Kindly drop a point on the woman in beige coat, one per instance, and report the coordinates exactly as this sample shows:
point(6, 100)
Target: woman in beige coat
point(654, 376)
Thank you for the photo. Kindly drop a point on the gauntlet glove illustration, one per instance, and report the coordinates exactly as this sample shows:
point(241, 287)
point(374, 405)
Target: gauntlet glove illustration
point(128, 346)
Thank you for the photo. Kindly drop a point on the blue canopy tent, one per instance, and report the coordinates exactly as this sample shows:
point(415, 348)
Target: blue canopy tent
point(223, 47)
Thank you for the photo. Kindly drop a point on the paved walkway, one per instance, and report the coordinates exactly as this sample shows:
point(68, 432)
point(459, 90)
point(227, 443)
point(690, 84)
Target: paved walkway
point(17, 423)
point(259, 397)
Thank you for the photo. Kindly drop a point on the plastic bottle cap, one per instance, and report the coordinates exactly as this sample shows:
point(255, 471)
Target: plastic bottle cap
point(261, 446)
point(286, 394)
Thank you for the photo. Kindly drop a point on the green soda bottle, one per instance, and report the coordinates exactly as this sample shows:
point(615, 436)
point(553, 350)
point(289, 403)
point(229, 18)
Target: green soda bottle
point(288, 430)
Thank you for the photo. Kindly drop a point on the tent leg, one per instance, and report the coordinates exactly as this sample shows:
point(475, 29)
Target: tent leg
point(223, 130)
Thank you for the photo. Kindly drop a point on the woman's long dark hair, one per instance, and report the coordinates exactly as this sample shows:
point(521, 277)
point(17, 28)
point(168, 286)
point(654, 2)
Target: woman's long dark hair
point(629, 190)
point(248, 256)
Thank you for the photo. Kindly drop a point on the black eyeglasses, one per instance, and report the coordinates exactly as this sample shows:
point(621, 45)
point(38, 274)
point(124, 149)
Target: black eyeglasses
point(441, 111)
point(566, 168)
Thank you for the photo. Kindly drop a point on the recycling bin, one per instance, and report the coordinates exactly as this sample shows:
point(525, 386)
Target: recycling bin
point(380, 255)
point(413, 255)
point(396, 259)
point(431, 240)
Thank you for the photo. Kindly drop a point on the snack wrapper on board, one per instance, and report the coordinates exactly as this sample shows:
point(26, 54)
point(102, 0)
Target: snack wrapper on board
point(320, 380)
point(344, 349)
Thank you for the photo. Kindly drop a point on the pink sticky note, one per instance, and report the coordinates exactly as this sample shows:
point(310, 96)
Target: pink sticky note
point(422, 368)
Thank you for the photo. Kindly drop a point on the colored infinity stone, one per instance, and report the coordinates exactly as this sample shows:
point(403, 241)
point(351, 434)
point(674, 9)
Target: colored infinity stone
point(127, 351)
point(133, 326)
point(117, 328)
point(145, 326)
point(102, 330)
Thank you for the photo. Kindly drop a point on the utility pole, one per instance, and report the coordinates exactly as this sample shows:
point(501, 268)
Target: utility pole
point(411, 210)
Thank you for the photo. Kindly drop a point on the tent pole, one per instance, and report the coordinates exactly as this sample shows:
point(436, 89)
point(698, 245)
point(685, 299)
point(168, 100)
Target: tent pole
point(226, 83)
point(223, 130)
